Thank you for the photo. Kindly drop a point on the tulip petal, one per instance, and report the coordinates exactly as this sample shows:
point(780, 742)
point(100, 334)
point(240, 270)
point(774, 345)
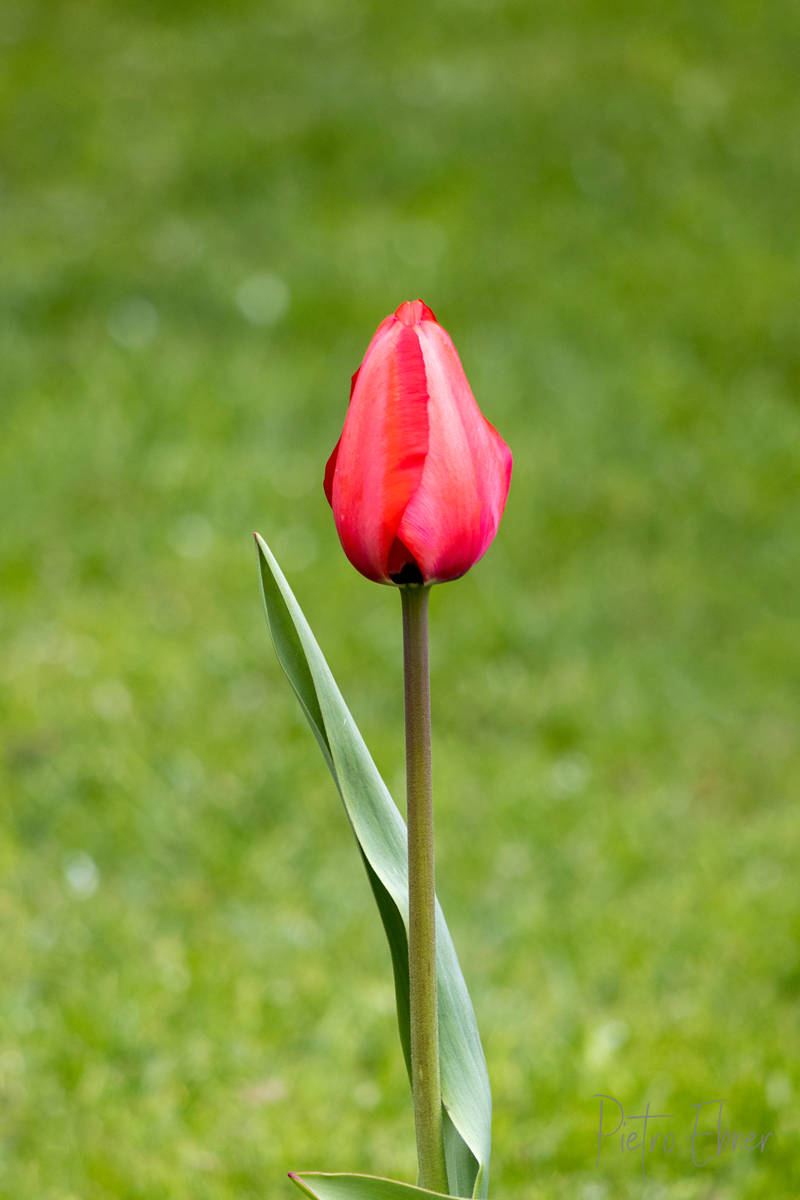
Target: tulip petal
point(411, 312)
point(330, 470)
point(453, 516)
point(382, 448)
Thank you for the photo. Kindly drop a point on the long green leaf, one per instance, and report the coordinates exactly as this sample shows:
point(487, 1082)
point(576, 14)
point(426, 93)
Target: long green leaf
point(323, 1186)
point(381, 834)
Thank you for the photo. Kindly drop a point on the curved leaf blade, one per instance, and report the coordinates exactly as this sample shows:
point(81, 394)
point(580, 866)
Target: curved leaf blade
point(381, 834)
point(322, 1186)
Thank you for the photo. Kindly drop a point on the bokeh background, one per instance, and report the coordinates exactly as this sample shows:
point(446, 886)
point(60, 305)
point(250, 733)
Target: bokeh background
point(206, 210)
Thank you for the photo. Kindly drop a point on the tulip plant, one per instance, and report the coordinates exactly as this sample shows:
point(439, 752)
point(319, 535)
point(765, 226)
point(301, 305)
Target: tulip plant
point(417, 482)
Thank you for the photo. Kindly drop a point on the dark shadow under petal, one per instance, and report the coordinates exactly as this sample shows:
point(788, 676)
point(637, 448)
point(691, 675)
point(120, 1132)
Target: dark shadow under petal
point(403, 566)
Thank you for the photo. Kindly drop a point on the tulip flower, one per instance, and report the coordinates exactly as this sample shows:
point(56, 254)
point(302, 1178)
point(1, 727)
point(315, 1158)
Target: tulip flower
point(417, 482)
point(419, 478)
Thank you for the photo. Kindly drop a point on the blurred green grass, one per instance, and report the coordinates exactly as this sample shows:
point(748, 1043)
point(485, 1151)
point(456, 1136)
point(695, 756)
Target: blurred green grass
point(206, 211)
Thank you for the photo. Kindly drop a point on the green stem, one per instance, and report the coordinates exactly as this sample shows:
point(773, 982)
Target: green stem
point(425, 1083)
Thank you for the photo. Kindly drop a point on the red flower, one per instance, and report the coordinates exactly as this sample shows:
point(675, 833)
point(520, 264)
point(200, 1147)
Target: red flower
point(419, 478)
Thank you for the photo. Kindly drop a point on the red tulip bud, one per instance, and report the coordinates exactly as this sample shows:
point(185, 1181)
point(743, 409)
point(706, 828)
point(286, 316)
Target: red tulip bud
point(419, 478)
